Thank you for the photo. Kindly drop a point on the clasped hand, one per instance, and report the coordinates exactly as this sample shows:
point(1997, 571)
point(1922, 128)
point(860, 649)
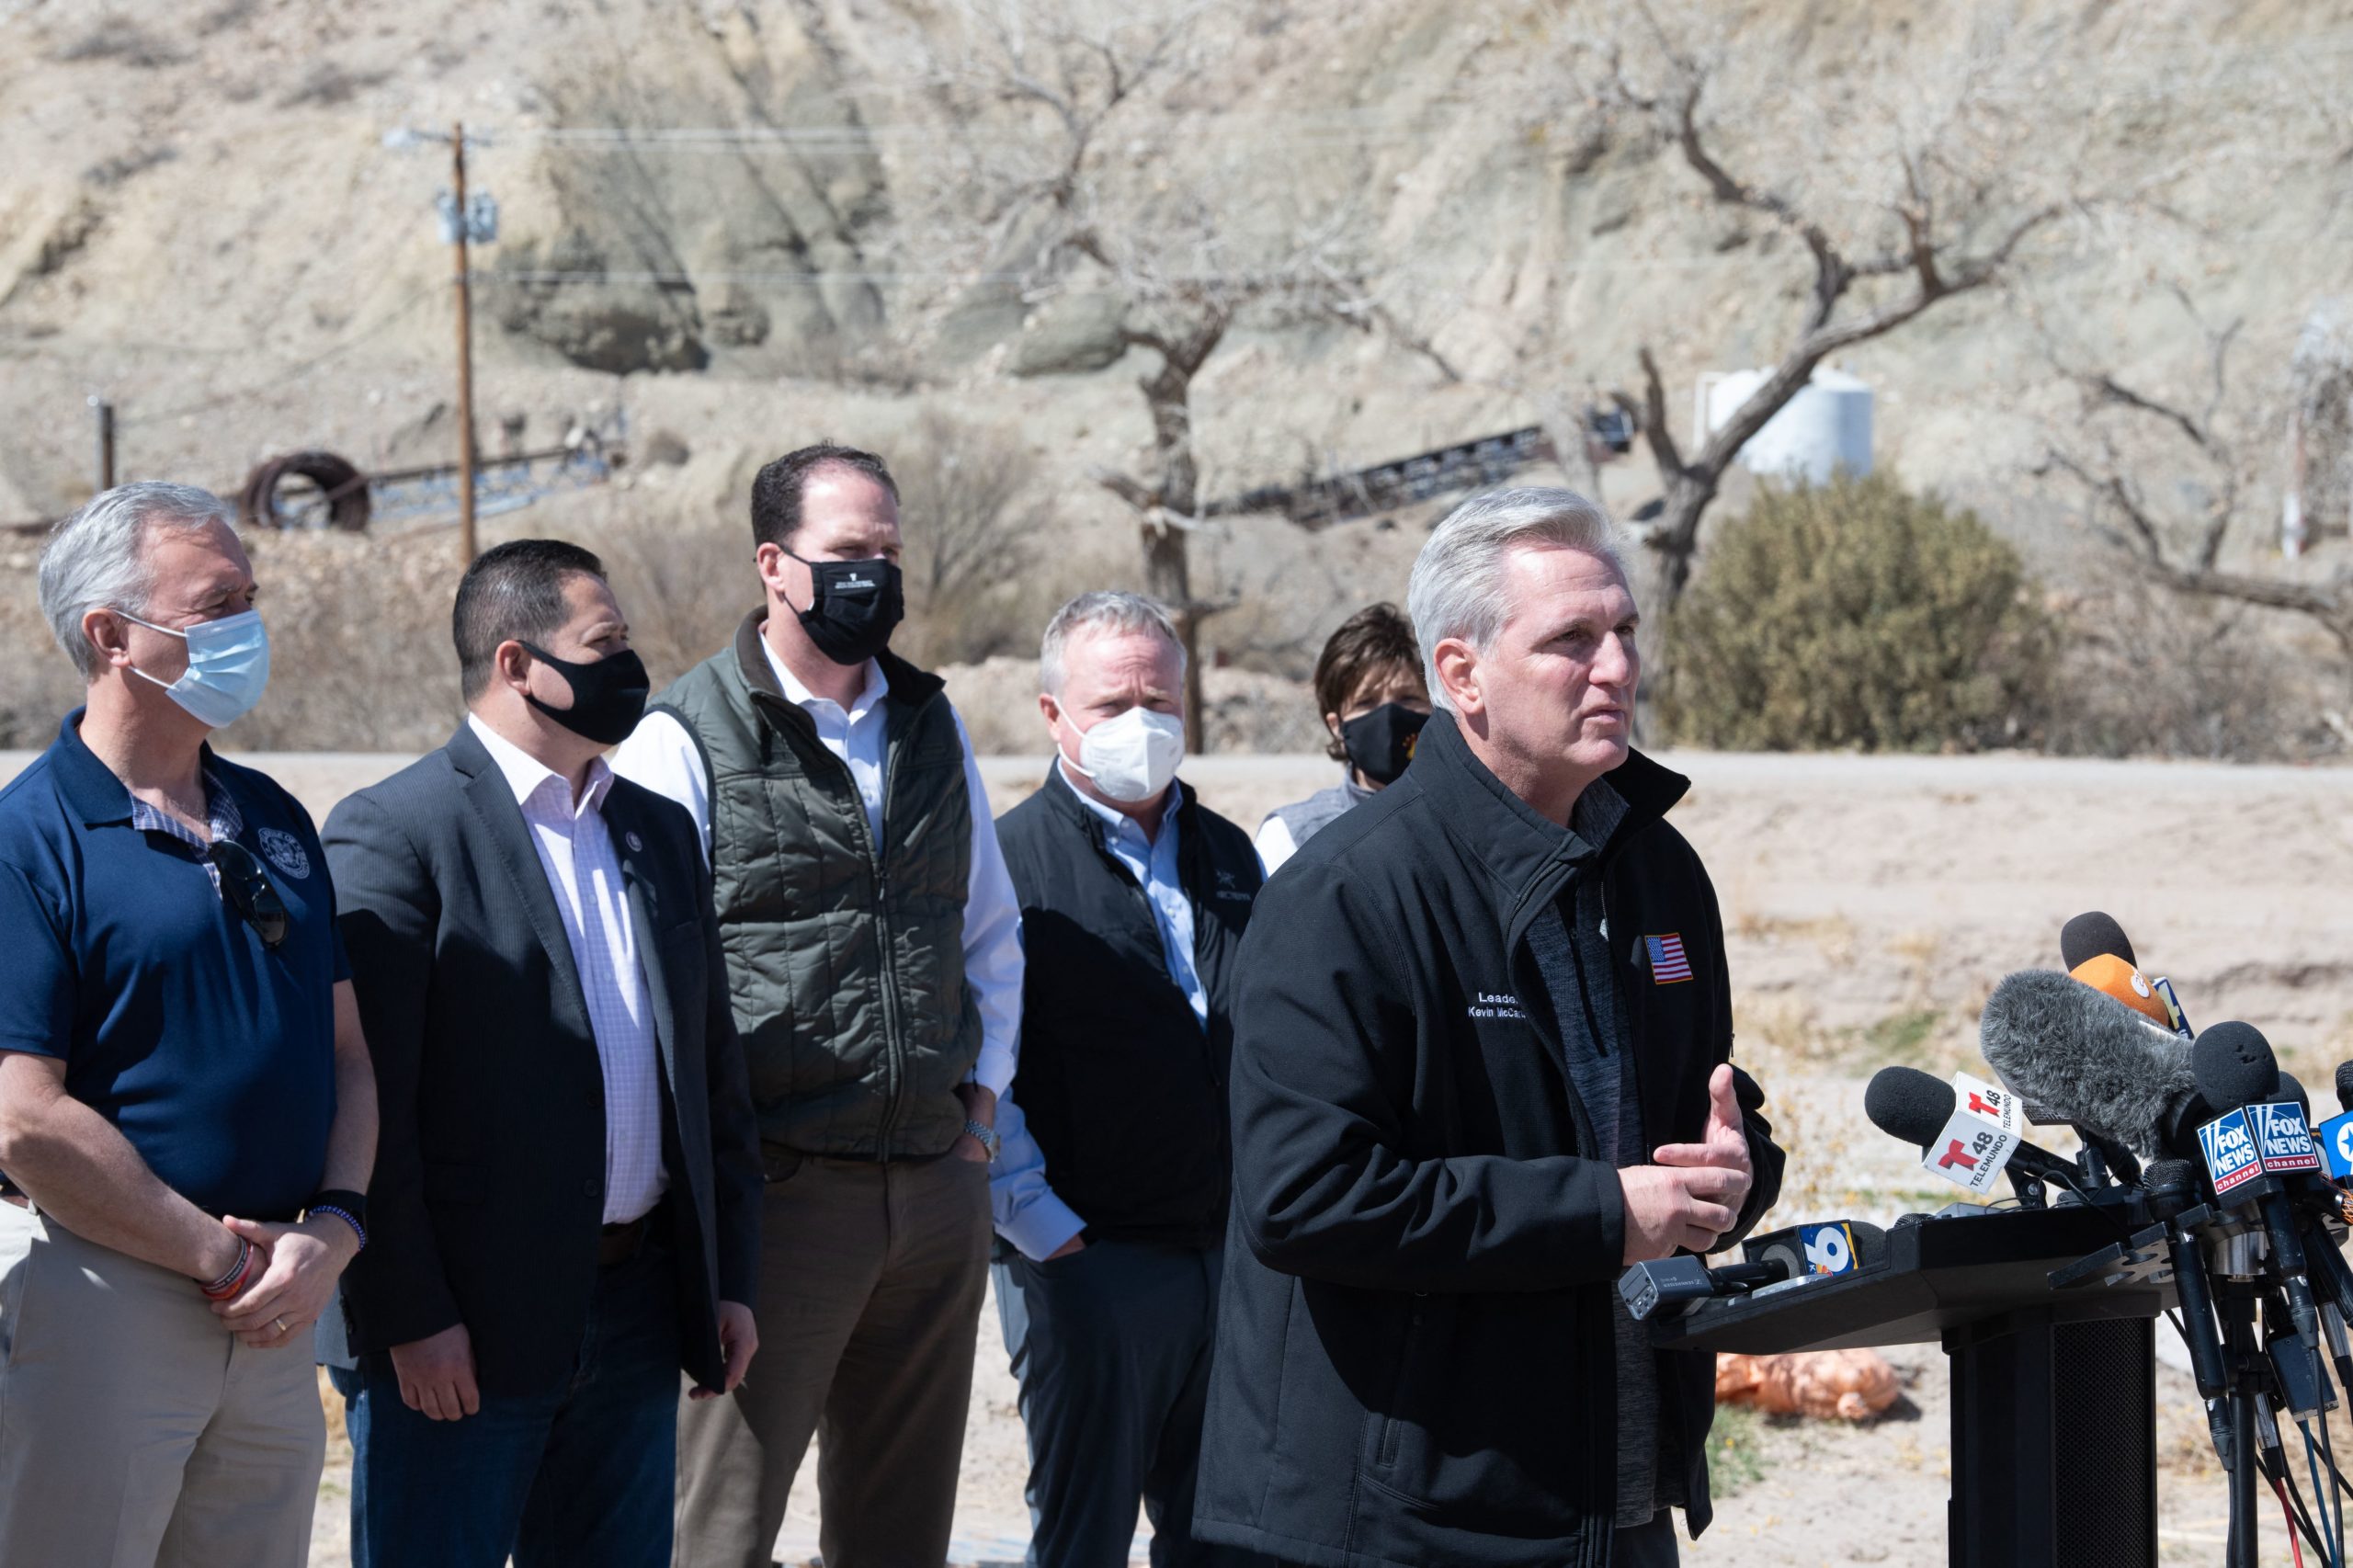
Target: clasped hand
point(295, 1268)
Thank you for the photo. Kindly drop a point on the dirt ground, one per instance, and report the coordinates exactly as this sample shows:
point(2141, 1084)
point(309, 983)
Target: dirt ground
point(1869, 905)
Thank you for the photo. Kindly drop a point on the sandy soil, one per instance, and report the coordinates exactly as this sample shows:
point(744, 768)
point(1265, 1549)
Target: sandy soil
point(1870, 904)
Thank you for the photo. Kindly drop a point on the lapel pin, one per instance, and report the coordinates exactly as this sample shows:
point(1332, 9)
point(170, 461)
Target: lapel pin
point(636, 845)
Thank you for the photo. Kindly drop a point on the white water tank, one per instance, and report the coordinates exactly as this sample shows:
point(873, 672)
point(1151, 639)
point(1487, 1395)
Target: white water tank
point(1825, 427)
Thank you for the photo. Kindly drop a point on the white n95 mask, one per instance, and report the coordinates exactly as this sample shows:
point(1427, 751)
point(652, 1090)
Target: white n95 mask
point(1134, 757)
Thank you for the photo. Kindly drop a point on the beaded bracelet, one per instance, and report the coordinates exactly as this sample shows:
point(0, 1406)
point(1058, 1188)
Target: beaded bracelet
point(349, 1218)
point(228, 1284)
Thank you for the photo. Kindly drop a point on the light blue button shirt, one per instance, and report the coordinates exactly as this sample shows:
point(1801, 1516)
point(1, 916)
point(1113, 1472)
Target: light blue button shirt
point(1152, 863)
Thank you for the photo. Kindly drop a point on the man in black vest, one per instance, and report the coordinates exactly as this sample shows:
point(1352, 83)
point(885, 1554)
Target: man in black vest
point(1481, 1064)
point(1110, 1197)
point(874, 961)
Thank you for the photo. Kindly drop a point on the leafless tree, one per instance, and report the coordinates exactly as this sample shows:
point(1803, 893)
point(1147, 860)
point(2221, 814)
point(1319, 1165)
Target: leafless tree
point(2171, 482)
point(1945, 210)
point(1088, 192)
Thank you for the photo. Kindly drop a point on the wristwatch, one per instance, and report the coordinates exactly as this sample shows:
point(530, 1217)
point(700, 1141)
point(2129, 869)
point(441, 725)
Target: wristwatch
point(987, 1135)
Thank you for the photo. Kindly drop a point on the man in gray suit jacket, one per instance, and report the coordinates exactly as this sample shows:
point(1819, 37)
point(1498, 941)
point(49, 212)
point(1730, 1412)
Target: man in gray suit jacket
point(565, 1207)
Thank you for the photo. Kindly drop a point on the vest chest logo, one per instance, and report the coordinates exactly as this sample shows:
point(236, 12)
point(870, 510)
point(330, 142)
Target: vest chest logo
point(1226, 888)
point(1497, 1005)
point(1669, 964)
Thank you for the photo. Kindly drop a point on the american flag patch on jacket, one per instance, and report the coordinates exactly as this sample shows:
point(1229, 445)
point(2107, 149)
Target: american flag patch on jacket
point(1668, 964)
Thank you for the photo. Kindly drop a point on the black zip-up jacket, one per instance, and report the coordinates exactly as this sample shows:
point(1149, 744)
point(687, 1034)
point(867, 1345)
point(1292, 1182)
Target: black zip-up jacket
point(1123, 1088)
point(1414, 1360)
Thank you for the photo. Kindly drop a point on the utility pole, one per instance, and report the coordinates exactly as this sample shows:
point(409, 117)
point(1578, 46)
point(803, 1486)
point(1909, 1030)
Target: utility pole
point(103, 413)
point(466, 221)
point(465, 355)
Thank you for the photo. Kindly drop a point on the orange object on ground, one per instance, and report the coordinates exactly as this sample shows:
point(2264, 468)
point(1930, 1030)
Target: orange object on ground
point(1850, 1385)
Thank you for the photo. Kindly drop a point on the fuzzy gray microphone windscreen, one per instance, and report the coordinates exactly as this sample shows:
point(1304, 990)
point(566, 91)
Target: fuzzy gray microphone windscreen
point(2083, 1056)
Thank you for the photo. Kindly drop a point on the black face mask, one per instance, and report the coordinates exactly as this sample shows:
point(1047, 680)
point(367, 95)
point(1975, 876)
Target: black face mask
point(853, 608)
point(608, 695)
point(1379, 743)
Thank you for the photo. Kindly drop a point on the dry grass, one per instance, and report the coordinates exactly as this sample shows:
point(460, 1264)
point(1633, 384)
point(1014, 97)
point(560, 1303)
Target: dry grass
point(1833, 935)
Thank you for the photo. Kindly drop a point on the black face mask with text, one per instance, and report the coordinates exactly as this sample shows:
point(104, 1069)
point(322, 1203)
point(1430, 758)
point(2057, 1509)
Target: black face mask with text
point(608, 695)
point(1379, 743)
point(854, 607)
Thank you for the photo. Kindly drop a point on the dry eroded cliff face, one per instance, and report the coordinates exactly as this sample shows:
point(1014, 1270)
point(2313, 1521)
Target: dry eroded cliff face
point(198, 217)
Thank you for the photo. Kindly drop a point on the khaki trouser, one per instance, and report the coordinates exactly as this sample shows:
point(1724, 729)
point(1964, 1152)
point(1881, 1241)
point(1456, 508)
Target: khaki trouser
point(870, 1284)
point(134, 1429)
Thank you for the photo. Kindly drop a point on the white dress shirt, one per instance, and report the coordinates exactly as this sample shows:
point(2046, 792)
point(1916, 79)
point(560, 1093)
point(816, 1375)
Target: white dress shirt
point(661, 756)
point(583, 871)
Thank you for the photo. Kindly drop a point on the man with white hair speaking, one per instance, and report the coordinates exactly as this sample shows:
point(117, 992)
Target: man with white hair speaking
point(1481, 1064)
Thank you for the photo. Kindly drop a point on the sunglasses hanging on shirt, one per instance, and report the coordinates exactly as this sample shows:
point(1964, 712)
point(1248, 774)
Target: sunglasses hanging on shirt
point(246, 888)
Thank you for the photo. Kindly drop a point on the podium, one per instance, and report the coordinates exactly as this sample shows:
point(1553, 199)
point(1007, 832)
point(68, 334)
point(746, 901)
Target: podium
point(2053, 1390)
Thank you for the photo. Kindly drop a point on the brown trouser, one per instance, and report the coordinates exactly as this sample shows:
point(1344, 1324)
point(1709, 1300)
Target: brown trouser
point(870, 1284)
point(134, 1429)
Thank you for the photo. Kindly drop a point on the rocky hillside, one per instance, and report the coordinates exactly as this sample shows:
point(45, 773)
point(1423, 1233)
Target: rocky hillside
point(201, 218)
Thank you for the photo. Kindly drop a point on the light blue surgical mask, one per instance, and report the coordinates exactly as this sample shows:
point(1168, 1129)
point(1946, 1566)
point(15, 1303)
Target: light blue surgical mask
point(228, 665)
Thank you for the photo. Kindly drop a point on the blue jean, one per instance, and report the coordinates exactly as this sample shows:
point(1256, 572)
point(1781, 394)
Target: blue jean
point(582, 1474)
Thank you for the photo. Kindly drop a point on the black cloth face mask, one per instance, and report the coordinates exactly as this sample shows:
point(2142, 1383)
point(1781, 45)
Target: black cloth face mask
point(1379, 743)
point(608, 695)
point(854, 607)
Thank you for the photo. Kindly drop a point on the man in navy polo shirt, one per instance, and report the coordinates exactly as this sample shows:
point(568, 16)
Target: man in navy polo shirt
point(184, 1097)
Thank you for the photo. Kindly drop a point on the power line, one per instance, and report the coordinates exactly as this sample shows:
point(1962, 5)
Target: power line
point(1343, 127)
point(304, 368)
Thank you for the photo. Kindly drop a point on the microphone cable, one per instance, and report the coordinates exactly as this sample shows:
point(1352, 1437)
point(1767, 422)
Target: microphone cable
point(2333, 1551)
point(2336, 1503)
point(2294, 1545)
point(2282, 1477)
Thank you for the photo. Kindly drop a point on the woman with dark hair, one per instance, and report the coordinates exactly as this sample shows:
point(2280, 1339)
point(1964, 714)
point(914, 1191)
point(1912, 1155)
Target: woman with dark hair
point(1369, 688)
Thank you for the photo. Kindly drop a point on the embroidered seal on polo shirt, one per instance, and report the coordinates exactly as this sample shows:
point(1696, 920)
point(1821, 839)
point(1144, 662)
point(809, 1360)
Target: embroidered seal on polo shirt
point(285, 851)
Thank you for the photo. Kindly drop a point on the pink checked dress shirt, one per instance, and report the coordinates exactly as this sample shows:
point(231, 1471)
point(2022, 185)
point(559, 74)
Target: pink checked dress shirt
point(576, 851)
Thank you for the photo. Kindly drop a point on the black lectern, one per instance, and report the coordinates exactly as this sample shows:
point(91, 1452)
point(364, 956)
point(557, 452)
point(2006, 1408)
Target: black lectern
point(2053, 1392)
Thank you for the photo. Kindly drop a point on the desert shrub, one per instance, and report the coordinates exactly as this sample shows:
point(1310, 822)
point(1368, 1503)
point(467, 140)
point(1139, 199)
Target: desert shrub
point(1854, 614)
point(118, 40)
point(360, 643)
point(972, 512)
point(2148, 673)
point(684, 585)
point(37, 684)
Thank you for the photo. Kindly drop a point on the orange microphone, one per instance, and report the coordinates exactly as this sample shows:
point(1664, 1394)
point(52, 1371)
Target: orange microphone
point(2097, 951)
point(2110, 975)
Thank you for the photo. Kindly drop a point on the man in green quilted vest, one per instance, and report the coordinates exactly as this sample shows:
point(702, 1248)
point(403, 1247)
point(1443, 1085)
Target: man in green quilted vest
point(874, 961)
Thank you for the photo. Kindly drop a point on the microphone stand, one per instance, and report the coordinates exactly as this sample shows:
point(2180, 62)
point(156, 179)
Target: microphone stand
point(2235, 1301)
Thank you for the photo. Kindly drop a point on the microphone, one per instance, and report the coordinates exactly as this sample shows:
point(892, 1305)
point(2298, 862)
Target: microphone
point(2172, 1186)
point(2096, 951)
point(2235, 1066)
point(2111, 976)
point(2335, 1136)
point(1832, 1246)
point(2090, 934)
point(1906, 1103)
point(1677, 1282)
point(2092, 1061)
